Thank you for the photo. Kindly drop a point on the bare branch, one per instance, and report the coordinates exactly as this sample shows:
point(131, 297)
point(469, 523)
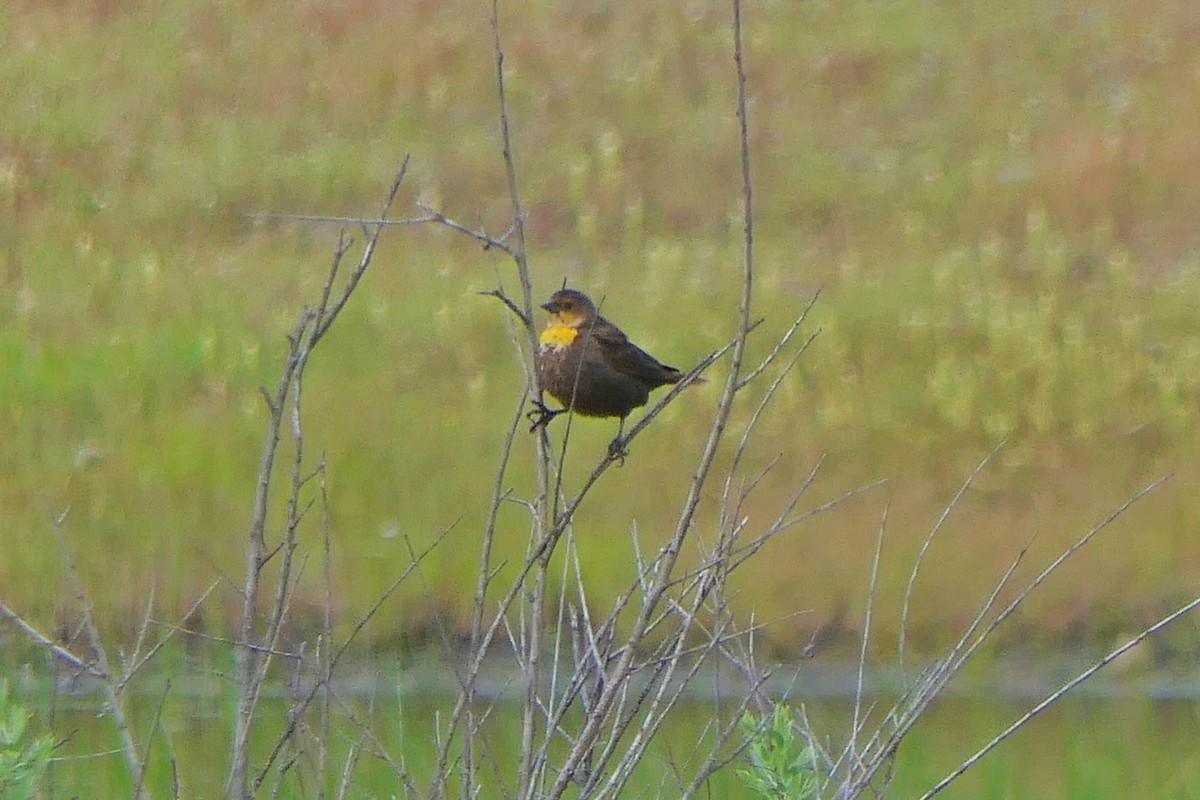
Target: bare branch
point(49, 644)
point(489, 242)
point(1062, 691)
point(513, 307)
point(937, 526)
point(108, 682)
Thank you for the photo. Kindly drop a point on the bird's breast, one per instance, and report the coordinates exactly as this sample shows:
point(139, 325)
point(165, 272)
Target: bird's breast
point(556, 337)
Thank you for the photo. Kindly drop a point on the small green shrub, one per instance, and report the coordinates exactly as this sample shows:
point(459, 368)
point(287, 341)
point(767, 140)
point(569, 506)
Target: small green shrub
point(781, 764)
point(22, 762)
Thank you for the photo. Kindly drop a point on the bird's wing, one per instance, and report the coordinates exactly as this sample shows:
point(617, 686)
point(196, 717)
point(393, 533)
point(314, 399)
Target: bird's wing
point(627, 358)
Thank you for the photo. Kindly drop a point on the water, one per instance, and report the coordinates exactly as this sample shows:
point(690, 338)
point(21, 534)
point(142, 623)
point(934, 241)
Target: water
point(1097, 746)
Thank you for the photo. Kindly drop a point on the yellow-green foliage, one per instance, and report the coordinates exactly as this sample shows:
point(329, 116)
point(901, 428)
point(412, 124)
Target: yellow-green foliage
point(998, 199)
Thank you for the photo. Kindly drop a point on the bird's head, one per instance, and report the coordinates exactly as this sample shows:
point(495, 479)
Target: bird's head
point(570, 308)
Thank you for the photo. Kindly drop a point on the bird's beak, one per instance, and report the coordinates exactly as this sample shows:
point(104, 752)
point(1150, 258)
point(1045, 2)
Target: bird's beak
point(550, 306)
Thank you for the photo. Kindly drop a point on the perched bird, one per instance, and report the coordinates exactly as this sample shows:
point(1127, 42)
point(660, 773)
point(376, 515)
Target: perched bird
point(590, 366)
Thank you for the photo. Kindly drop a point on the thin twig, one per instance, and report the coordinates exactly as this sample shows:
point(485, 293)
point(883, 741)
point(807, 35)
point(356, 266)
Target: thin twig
point(45, 641)
point(358, 222)
point(487, 240)
point(856, 725)
point(1059, 693)
point(108, 682)
point(310, 328)
point(920, 559)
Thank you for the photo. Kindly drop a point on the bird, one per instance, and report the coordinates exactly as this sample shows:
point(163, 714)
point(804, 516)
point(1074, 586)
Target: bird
point(589, 365)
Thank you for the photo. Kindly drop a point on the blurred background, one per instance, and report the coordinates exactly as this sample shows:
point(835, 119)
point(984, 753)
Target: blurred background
point(997, 202)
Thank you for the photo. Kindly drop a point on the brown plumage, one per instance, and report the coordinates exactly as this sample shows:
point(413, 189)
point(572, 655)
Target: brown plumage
point(589, 365)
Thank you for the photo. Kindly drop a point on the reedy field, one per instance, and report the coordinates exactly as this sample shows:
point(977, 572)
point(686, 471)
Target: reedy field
point(998, 201)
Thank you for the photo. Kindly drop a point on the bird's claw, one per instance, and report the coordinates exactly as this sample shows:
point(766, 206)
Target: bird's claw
point(541, 415)
point(617, 451)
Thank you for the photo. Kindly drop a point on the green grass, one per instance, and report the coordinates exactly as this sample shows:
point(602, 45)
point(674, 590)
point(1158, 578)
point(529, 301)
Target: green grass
point(997, 203)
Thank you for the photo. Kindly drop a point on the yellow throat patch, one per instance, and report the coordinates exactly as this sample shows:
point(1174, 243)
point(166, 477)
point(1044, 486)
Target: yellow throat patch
point(558, 335)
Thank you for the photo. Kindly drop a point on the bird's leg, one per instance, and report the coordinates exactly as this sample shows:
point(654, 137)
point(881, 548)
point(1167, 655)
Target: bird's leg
point(616, 448)
point(541, 415)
